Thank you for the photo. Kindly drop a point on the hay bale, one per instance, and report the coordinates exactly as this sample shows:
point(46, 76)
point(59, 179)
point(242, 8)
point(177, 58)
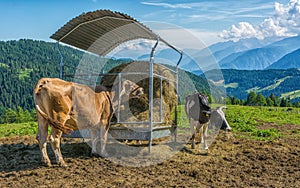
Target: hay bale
point(139, 107)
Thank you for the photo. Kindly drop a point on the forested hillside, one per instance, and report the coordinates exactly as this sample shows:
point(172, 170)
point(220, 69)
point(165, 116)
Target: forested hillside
point(25, 61)
point(285, 83)
point(22, 63)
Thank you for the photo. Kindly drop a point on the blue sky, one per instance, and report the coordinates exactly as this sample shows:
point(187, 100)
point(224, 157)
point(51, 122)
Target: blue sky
point(210, 20)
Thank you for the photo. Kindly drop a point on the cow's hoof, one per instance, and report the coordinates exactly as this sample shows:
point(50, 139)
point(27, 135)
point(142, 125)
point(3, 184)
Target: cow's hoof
point(62, 164)
point(47, 163)
point(95, 154)
point(104, 155)
point(193, 146)
point(203, 152)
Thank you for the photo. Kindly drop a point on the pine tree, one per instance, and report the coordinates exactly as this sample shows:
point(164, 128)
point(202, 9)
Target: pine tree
point(260, 100)
point(269, 101)
point(283, 102)
point(251, 99)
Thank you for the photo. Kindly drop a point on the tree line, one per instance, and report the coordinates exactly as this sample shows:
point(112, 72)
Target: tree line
point(254, 99)
point(19, 115)
point(25, 61)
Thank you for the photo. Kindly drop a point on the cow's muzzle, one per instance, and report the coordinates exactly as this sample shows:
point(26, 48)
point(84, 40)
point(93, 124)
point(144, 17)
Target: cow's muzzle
point(137, 93)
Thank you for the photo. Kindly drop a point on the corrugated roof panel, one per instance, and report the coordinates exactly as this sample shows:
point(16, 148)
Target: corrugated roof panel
point(101, 31)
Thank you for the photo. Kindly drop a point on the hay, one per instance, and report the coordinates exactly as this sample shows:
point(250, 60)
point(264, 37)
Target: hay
point(138, 109)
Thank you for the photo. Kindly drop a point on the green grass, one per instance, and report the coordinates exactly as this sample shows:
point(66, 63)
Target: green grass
point(232, 85)
point(270, 87)
point(250, 122)
point(18, 129)
point(245, 121)
point(291, 95)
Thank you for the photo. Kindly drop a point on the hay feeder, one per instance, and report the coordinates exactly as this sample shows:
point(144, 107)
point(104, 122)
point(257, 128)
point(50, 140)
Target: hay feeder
point(100, 32)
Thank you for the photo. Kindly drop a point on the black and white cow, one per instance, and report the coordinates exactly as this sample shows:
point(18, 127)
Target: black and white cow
point(198, 112)
point(217, 115)
point(200, 115)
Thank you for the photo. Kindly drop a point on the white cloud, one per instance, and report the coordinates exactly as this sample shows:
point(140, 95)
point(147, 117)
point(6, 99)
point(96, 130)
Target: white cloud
point(243, 30)
point(284, 23)
point(168, 5)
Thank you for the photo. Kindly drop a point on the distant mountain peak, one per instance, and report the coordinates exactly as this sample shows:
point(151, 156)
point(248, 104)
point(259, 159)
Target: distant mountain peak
point(254, 54)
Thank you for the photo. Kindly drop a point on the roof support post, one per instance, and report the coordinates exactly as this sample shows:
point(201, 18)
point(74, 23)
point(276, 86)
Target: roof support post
point(176, 107)
point(151, 62)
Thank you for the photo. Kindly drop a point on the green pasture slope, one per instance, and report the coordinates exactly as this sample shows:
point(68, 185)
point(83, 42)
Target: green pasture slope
point(260, 123)
point(264, 123)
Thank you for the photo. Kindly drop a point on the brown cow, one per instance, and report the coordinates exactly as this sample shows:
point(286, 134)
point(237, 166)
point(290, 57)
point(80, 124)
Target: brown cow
point(68, 106)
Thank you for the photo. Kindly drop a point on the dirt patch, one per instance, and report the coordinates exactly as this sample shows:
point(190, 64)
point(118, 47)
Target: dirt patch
point(231, 162)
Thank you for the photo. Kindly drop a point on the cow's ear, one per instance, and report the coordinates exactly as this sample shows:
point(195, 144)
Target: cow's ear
point(125, 86)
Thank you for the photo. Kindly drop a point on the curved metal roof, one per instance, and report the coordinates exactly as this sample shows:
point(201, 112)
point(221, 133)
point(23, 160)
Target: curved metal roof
point(101, 31)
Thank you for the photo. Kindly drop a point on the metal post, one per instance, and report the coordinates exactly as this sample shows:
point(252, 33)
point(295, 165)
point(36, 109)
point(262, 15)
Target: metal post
point(151, 93)
point(161, 105)
point(176, 107)
point(61, 62)
point(119, 97)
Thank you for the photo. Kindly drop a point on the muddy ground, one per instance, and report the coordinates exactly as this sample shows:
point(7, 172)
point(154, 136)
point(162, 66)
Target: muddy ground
point(231, 162)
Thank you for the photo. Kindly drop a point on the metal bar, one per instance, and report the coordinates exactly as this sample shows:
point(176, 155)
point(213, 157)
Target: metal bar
point(138, 122)
point(112, 74)
point(119, 97)
point(176, 107)
point(179, 59)
point(166, 78)
point(161, 105)
point(151, 62)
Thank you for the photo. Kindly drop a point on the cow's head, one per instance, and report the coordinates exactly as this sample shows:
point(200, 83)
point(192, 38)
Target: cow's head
point(126, 88)
point(204, 104)
point(131, 89)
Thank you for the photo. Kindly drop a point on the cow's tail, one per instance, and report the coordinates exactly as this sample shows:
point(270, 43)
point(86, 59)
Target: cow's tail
point(222, 107)
point(54, 123)
point(110, 101)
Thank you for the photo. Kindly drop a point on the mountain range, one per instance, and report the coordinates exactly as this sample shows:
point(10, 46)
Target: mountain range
point(254, 54)
point(24, 61)
point(245, 54)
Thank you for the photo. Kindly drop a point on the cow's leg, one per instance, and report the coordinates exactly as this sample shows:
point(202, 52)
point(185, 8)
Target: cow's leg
point(204, 136)
point(193, 131)
point(55, 143)
point(227, 128)
point(94, 140)
point(42, 138)
point(103, 139)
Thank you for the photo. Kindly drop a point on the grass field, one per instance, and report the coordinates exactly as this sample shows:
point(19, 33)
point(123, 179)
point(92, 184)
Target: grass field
point(263, 123)
point(259, 123)
point(18, 129)
point(292, 94)
point(263, 150)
